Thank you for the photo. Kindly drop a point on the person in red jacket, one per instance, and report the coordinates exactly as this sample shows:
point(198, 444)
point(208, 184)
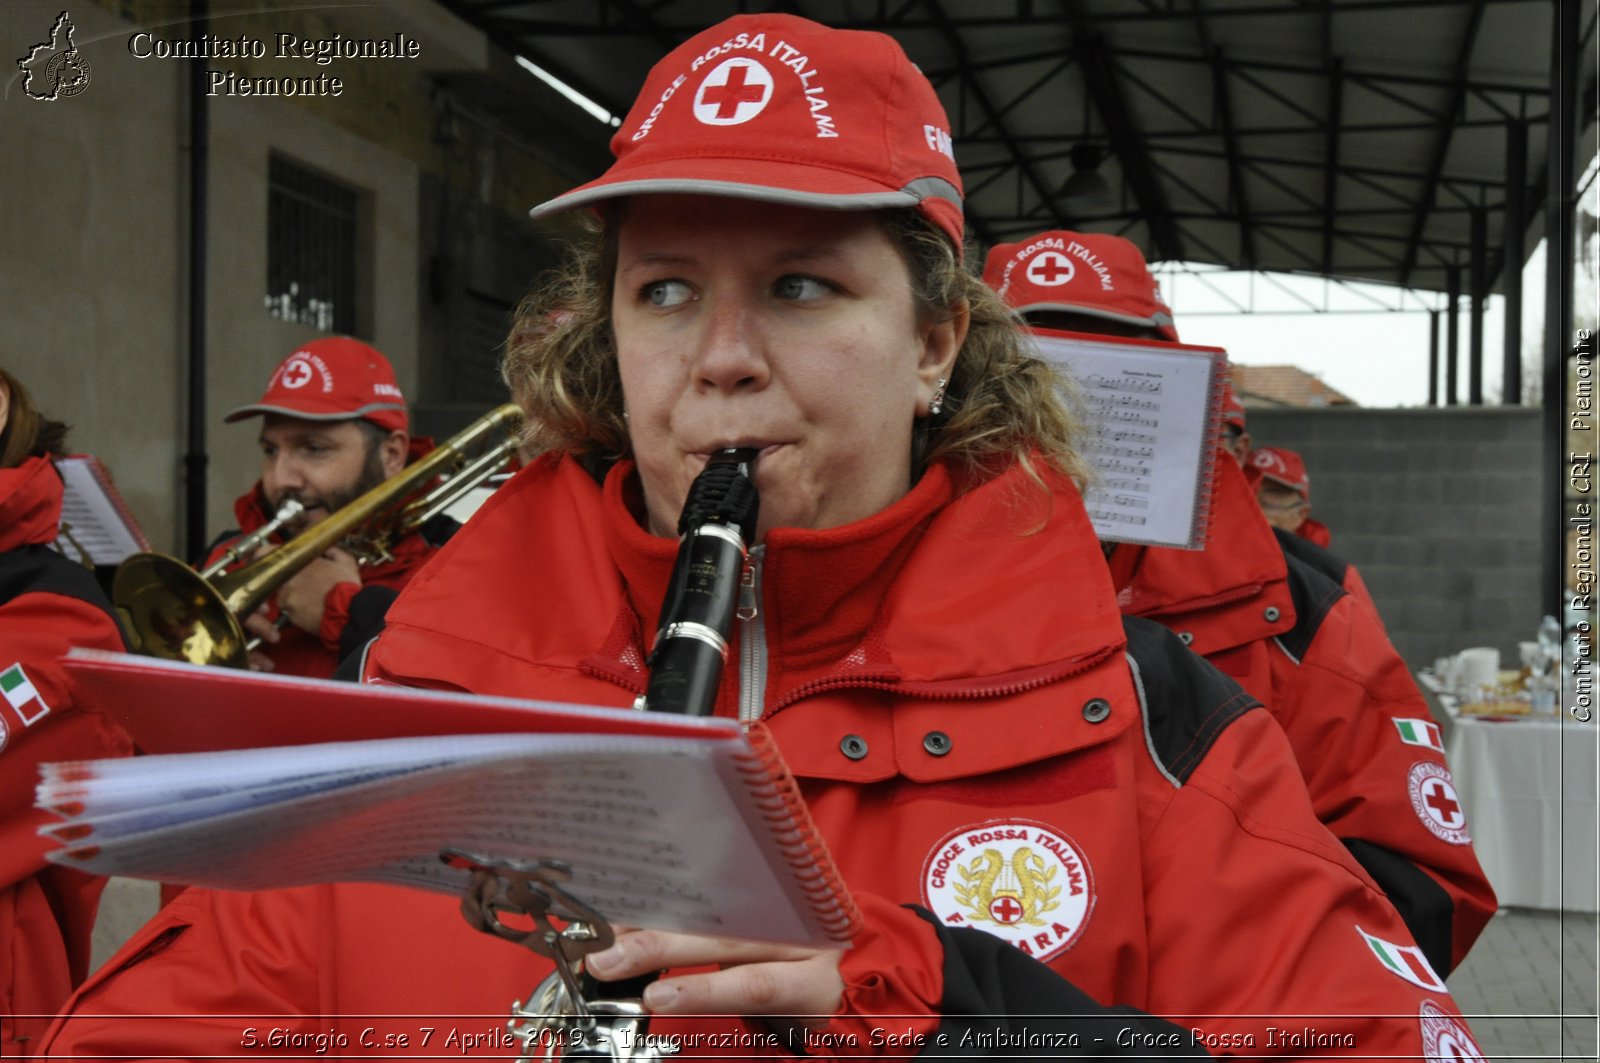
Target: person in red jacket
point(48, 605)
point(333, 425)
point(1063, 831)
point(1315, 554)
point(1236, 435)
point(1283, 488)
point(1270, 611)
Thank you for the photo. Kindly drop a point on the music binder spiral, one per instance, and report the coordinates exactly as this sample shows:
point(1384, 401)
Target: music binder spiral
point(622, 798)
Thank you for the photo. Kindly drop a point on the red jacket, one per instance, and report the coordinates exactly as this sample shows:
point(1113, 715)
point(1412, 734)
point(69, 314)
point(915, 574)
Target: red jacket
point(48, 604)
point(1318, 658)
point(1315, 531)
point(298, 652)
point(951, 715)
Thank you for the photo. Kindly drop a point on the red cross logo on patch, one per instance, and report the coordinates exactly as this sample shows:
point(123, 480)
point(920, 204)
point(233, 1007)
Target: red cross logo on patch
point(1006, 910)
point(1050, 269)
point(1445, 1038)
point(1021, 880)
point(1438, 806)
point(733, 93)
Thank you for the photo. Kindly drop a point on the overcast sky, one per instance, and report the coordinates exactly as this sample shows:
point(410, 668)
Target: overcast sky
point(1377, 357)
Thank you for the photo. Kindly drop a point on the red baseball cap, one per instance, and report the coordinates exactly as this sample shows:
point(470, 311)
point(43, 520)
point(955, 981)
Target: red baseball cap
point(1080, 273)
point(335, 379)
point(1283, 466)
point(785, 110)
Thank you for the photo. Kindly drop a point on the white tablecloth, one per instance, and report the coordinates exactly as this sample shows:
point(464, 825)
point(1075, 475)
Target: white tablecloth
point(1528, 787)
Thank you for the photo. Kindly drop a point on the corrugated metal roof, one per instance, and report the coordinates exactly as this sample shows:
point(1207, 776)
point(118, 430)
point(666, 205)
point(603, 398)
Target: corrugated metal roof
point(1354, 138)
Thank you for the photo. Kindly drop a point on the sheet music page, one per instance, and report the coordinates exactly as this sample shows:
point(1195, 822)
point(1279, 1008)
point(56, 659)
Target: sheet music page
point(659, 832)
point(1152, 425)
point(95, 519)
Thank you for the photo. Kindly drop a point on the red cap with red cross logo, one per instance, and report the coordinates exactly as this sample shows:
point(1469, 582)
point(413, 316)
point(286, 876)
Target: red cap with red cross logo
point(1284, 466)
point(785, 110)
point(335, 379)
point(1080, 273)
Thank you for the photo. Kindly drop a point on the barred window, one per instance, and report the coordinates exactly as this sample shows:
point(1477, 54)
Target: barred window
point(312, 229)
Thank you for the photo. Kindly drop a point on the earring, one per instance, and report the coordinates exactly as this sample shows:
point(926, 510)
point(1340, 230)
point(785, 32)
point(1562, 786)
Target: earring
point(936, 403)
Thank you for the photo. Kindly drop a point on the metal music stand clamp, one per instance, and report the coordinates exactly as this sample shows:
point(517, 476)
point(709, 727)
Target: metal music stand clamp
point(563, 1018)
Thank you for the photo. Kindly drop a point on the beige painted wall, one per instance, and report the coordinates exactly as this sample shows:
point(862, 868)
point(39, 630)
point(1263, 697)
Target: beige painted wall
point(91, 254)
point(94, 215)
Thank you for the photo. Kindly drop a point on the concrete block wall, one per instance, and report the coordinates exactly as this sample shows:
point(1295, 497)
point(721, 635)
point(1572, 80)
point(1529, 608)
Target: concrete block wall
point(1436, 508)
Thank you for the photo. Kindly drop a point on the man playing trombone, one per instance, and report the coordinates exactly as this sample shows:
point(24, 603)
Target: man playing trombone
point(333, 425)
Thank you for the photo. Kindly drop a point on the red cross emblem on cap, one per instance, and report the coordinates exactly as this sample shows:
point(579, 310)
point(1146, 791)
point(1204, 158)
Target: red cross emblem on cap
point(297, 373)
point(736, 91)
point(1050, 268)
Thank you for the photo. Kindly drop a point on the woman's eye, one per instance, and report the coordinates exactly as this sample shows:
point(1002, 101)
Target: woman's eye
point(666, 293)
point(800, 288)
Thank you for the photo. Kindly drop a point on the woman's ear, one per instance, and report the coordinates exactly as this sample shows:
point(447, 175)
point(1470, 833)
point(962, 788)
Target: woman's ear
point(941, 342)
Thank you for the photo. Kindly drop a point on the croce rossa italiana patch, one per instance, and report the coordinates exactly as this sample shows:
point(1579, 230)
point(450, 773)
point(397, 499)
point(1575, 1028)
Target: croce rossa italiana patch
point(1018, 879)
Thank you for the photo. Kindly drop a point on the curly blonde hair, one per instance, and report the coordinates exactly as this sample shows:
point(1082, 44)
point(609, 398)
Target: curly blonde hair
point(1002, 405)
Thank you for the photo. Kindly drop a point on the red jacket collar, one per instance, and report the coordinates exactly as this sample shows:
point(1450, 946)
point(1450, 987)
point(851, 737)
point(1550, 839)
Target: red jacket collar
point(30, 504)
point(963, 592)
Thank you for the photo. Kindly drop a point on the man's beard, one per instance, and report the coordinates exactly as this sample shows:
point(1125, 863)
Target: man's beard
point(371, 476)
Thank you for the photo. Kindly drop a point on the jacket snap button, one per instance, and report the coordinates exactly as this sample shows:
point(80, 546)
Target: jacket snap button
point(1186, 637)
point(853, 746)
point(936, 742)
point(1096, 709)
point(1272, 613)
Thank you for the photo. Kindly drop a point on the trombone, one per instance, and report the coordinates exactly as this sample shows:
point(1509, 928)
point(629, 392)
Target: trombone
point(169, 610)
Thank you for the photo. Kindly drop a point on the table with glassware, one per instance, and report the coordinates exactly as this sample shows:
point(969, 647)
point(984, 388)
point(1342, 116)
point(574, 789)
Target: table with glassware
point(1527, 783)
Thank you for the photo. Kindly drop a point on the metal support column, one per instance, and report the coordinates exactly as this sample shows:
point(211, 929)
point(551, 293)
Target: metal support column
point(1477, 283)
point(1513, 259)
point(1560, 215)
point(1433, 357)
point(195, 459)
point(1452, 331)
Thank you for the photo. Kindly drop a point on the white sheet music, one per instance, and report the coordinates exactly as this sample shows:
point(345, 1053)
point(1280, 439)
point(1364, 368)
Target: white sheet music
point(93, 518)
point(659, 832)
point(1153, 420)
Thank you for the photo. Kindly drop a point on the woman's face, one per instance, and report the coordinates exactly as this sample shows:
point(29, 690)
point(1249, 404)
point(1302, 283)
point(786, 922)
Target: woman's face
point(783, 328)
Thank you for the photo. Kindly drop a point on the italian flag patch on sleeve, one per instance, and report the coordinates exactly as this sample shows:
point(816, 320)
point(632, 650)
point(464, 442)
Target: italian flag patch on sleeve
point(1420, 733)
point(23, 695)
point(1407, 961)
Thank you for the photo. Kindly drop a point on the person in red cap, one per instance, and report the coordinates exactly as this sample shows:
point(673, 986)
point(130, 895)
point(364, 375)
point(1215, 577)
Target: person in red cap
point(1296, 627)
point(48, 605)
point(333, 426)
point(1056, 825)
point(1236, 436)
point(1283, 488)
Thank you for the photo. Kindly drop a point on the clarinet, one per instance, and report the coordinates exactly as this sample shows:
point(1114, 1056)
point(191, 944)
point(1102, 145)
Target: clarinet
point(718, 520)
point(571, 1015)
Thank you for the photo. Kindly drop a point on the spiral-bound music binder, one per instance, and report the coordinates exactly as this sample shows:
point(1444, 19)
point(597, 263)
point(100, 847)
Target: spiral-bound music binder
point(95, 520)
point(668, 822)
point(1154, 417)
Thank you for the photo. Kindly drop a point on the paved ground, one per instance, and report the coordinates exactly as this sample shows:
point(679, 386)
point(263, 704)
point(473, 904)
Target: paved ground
point(1528, 987)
